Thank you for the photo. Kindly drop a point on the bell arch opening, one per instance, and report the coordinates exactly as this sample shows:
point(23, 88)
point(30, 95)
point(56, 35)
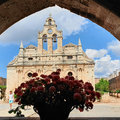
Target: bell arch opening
point(45, 41)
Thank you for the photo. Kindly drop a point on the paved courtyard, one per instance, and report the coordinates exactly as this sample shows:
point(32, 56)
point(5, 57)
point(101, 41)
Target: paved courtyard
point(99, 110)
point(4, 108)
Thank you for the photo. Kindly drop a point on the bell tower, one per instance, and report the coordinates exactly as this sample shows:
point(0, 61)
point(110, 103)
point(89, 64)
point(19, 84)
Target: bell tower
point(50, 34)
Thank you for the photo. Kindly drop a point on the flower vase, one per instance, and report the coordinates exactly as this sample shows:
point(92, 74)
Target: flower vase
point(51, 112)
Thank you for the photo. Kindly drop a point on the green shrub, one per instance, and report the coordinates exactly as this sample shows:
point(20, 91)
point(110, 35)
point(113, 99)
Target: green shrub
point(2, 86)
point(103, 85)
point(117, 91)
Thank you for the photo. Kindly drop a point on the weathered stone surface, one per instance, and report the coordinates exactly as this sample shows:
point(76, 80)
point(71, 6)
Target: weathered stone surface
point(104, 13)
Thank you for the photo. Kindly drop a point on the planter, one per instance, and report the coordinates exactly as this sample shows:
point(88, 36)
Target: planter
point(51, 112)
point(53, 98)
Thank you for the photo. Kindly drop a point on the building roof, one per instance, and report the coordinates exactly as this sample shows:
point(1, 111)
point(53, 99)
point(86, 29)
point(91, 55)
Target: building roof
point(31, 47)
point(70, 45)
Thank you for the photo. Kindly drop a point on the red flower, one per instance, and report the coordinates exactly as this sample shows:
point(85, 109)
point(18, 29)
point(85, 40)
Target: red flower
point(71, 78)
point(55, 73)
point(37, 78)
point(43, 76)
point(88, 92)
point(98, 95)
point(54, 82)
point(34, 74)
point(33, 89)
point(81, 110)
point(93, 93)
point(50, 76)
point(88, 86)
point(55, 77)
point(61, 87)
point(20, 93)
point(16, 90)
point(16, 100)
point(31, 81)
point(24, 85)
point(58, 70)
point(78, 90)
point(52, 89)
point(19, 88)
point(67, 77)
point(47, 79)
point(77, 96)
point(89, 105)
point(40, 88)
point(19, 103)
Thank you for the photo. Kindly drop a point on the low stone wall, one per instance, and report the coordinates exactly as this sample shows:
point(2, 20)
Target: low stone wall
point(106, 98)
point(78, 118)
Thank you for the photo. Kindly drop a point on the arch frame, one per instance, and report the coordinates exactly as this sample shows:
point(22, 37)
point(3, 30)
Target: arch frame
point(12, 11)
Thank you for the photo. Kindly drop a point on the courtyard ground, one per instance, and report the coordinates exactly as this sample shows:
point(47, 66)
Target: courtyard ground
point(108, 107)
point(99, 110)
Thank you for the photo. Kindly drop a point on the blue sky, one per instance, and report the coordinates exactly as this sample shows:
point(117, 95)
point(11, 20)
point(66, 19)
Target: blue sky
point(98, 43)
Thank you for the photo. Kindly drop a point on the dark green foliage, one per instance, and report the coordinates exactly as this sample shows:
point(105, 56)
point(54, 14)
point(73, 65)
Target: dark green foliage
point(103, 85)
point(17, 111)
point(117, 91)
point(2, 87)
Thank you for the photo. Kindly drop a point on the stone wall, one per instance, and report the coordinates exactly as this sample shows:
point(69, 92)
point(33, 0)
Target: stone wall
point(2, 81)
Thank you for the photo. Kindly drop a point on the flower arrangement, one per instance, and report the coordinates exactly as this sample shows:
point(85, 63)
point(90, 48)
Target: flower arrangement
point(55, 92)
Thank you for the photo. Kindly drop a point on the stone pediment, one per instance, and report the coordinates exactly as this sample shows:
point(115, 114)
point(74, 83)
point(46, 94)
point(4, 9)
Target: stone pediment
point(31, 47)
point(70, 45)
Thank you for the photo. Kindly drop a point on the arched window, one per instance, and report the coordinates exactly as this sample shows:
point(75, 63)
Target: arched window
point(29, 74)
point(44, 38)
point(70, 73)
point(49, 22)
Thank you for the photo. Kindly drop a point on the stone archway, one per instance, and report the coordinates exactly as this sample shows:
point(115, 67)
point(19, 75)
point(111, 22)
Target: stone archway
point(102, 13)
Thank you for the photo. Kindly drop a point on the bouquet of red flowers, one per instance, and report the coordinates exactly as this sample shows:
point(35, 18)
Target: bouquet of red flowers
point(49, 93)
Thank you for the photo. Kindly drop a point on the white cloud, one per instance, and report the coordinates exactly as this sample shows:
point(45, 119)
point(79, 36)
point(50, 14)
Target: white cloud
point(105, 66)
point(27, 28)
point(92, 53)
point(114, 46)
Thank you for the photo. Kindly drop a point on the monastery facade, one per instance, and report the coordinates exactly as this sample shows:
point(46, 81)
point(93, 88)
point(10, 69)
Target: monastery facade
point(70, 58)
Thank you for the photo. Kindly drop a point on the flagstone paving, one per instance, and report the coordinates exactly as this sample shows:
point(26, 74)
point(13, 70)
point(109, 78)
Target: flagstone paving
point(4, 108)
point(100, 110)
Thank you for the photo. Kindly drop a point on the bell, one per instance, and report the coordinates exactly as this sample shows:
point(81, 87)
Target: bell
point(45, 40)
point(54, 40)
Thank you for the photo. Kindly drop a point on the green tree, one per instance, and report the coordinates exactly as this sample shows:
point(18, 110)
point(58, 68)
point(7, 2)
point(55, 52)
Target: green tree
point(103, 85)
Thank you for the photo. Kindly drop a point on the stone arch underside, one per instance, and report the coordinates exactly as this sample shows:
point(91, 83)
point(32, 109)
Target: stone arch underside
point(12, 11)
